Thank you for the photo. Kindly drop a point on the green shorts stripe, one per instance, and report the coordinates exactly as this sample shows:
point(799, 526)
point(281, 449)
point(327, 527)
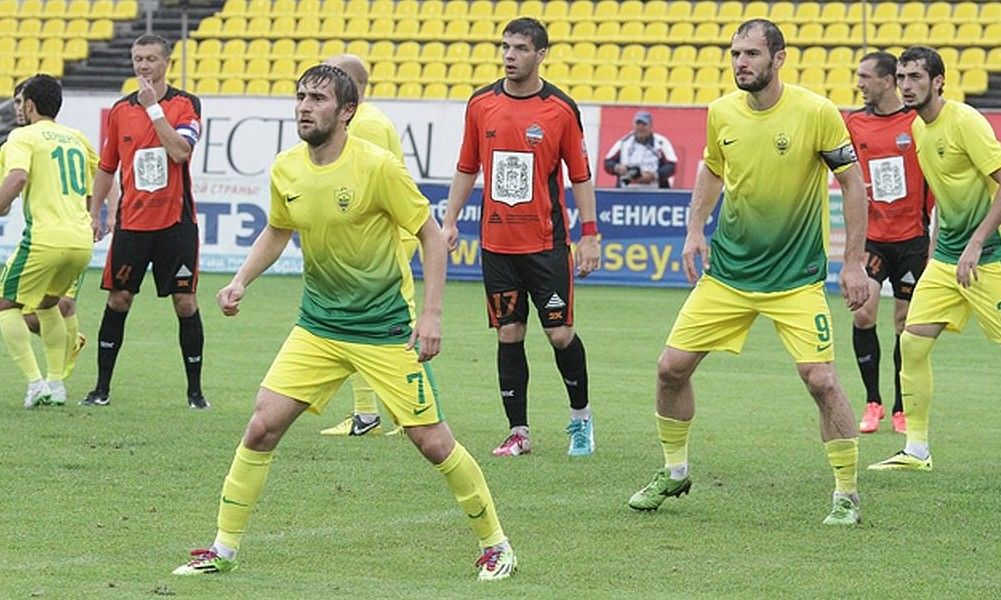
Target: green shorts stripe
point(13, 276)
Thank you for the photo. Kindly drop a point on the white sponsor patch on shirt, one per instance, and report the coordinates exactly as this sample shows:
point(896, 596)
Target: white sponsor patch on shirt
point(149, 168)
point(512, 174)
point(888, 180)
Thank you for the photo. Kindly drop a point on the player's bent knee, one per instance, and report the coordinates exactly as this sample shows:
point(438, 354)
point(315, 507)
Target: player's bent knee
point(675, 367)
point(819, 378)
point(560, 337)
point(435, 442)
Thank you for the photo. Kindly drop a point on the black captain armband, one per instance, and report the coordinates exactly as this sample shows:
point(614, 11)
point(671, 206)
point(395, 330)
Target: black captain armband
point(839, 157)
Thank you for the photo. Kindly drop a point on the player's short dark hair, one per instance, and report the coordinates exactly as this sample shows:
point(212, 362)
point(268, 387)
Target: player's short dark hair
point(773, 35)
point(20, 86)
point(531, 28)
point(46, 93)
point(152, 39)
point(885, 63)
point(345, 89)
point(929, 59)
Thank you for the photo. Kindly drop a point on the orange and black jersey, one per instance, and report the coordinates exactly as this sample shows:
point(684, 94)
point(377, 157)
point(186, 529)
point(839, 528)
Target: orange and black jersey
point(521, 144)
point(900, 201)
point(156, 191)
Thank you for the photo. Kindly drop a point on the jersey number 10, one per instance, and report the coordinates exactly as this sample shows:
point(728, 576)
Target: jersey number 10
point(72, 169)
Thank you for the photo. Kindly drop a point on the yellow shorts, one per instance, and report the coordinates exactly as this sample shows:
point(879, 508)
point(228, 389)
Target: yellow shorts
point(938, 298)
point(310, 369)
point(71, 293)
point(718, 317)
point(30, 274)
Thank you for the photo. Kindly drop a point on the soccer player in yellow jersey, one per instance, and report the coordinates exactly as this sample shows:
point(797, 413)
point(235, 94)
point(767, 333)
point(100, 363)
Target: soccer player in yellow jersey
point(961, 159)
point(52, 168)
point(348, 199)
point(769, 147)
point(370, 124)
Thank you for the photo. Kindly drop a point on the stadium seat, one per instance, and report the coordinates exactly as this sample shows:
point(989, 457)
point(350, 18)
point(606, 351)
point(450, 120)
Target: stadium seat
point(630, 94)
point(283, 88)
point(655, 95)
point(682, 95)
point(102, 29)
point(833, 12)
point(807, 12)
point(911, 12)
point(457, 52)
point(28, 47)
point(233, 27)
point(969, 31)
point(915, 33)
point(729, 10)
point(381, 29)
point(233, 8)
point(656, 32)
point(683, 55)
point(485, 73)
point(258, 8)
point(435, 91)
point(583, 31)
point(208, 49)
point(125, 10)
point(281, 27)
point(939, 12)
point(358, 48)
point(258, 68)
point(782, 11)
point(556, 10)
point(352, 8)
point(630, 9)
point(131, 84)
point(814, 56)
point(306, 8)
point(433, 73)
point(381, 9)
point(604, 93)
point(432, 52)
point(484, 52)
point(630, 31)
point(706, 33)
point(954, 93)
point(234, 48)
point(842, 97)
point(282, 69)
point(709, 56)
point(431, 30)
point(384, 89)
point(30, 9)
point(461, 91)
point(8, 27)
point(232, 86)
point(459, 73)
point(207, 67)
point(658, 54)
point(29, 28)
point(431, 9)
point(456, 9)
point(706, 95)
point(582, 10)
point(581, 92)
point(309, 48)
point(608, 53)
point(504, 12)
point(678, 11)
point(408, 72)
point(704, 10)
point(406, 29)
point(207, 87)
point(357, 28)
point(8, 8)
point(482, 31)
point(992, 62)
point(481, 10)
point(102, 9)
point(232, 66)
point(966, 12)
point(971, 58)
point(707, 77)
point(841, 56)
point(331, 48)
point(681, 76)
point(885, 12)
point(584, 52)
point(753, 10)
point(973, 81)
point(54, 9)
point(605, 74)
point(888, 34)
point(383, 71)
point(381, 50)
point(258, 87)
point(408, 52)
point(793, 56)
point(813, 78)
point(210, 27)
point(992, 31)
point(655, 76)
point(262, 48)
point(810, 34)
point(556, 72)
point(838, 33)
point(581, 73)
point(409, 91)
point(52, 47)
point(839, 77)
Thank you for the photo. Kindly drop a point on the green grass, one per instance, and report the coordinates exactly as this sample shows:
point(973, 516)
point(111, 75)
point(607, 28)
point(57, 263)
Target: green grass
point(105, 502)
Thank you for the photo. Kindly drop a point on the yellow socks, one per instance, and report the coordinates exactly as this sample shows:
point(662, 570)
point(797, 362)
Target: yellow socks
point(18, 340)
point(674, 440)
point(916, 384)
point(843, 456)
point(52, 330)
point(240, 492)
point(364, 396)
point(465, 481)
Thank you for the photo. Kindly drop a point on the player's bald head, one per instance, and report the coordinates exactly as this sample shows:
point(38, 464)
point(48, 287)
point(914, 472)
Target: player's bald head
point(354, 67)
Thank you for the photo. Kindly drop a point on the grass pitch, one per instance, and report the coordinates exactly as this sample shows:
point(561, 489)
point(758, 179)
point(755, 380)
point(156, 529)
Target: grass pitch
point(105, 502)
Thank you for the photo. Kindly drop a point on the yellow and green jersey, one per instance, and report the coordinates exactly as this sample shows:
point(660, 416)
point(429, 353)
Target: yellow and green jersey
point(773, 224)
point(358, 285)
point(60, 164)
point(958, 152)
point(371, 124)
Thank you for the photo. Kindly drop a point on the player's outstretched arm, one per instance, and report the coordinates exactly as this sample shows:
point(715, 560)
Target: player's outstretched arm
point(427, 330)
point(588, 257)
point(705, 195)
point(11, 188)
point(966, 268)
point(854, 281)
point(458, 195)
point(266, 249)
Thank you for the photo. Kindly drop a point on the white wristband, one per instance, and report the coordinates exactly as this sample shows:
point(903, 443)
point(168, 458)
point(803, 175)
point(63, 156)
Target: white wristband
point(155, 112)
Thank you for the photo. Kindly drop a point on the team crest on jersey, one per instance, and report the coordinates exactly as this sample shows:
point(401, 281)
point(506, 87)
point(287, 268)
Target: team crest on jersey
point(149, 167)
point(903, 141)
point(781, 143)
point(940, 147)
point(534, 134)
point(344, 198)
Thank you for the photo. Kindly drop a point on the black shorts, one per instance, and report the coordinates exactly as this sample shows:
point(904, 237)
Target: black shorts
point(173, 252)
point(547, 277)
point(900, 262)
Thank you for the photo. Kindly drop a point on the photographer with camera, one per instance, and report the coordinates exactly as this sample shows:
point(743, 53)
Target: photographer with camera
point(642, 159)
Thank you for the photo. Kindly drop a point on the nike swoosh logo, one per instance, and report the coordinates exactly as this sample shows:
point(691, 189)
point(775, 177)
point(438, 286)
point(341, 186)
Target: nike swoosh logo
point(419, 411)
point(226, 500)
point(292, 198)
point(479, 514)
point(727, 142)
point(821, 348)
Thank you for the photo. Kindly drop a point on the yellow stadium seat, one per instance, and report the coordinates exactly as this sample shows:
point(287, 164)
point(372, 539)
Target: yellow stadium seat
point(557, 72)
point(885, 12)
point(629, 53)
point(682, 95)
point(460, 91)
point(752, 10)
point(505, 11)
point(459, 73)
point(655, 32)
point(810, 34)
point(581, 92)
point(258, 8)
point(301, 66)
point(358, 48)
point(838, 33)
point(583, 31)
point(258, 87)
point(207, 67)
point(730, 10)
point(233, 27)
point(233, 8)
point(630, 94)
point(655, 95)
point(51, 65)
point(839, 77)
point(807, 12)
point(705, 95)
point(938, 12)
point(857, 33)
point(76, 28)
point(309, 48)
point(971, 58)
point(655, 76)
point(973, 81)
point(8, 8)
point(30, 8)
point(950, 57)
point(28, 47)
point(915, 33)
point(102, 9)
point(207, 87)
point(658, 54)
point(680, 33)
point(953, 93)
point(381, 50)
point(834, 12)
point(630, 9)
point(410, 90)
point(911, 12)
point(814, 56)
point(435, 91)
point(25, 66)
point(704, 10)
point(76, 49)
point(992, 62)
point(608, 53)
point(432, 52)
point(406, 29)
point(681, 76)
point(381, 9)
point(382, 29)
point(679, 11)
point(232, 66)
point(383, 71)
point(965, 12)
point(630, 31)
point(283, 88)
point(210, 27)
point(969, 31)
point(331, 48)
point(581, 10)
point(458, 30)
point(263, 48)
point(29, 27)
point(306, 8)
point(707, 77)
point(207, 48)
point(280, 27)
point(384, 89)
point(431, 30)
point(456, 9)
point(841, 56)
point(654, 10)
point(131, 84)
point(710, 56)
point(457, 52)
point(357, 27)
point(992, 31)
point(232, 86)
point(706, 33)
point(556, 10)
point(887, 34)
point(54, 8)
point(125, 10)
point(284, 68)
point(842, 97)
point(683, 55)
point(431, 9)
point(408, 72)
point(581, 73)
point(604, 93)
point(486, 73)
point(584, 52)
point(258, 67)
point(433, 73)
point(102, 29)
point(558, 52)
point(481, 10)
point(782, 11)
point(234, 48)
point(628, 75)
point(604, 74)
point(531, 8)
point(813, 78)
point(486, 52)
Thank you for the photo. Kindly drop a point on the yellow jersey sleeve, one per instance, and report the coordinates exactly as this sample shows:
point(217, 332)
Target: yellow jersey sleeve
point(19, 150)
point(981, 144)
point(278, 215)
point(401, 198)
point(713, 154)
point(832, 131)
